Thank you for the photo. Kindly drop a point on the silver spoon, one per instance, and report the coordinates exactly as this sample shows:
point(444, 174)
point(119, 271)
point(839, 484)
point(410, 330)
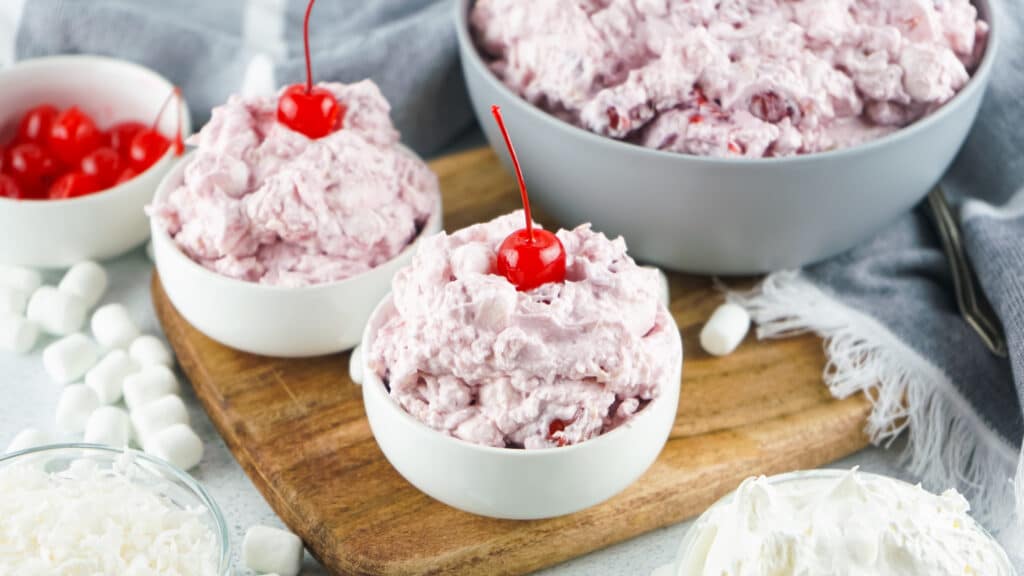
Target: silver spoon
point(974, 307)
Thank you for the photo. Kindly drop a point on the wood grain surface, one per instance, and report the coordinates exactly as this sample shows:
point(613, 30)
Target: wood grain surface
point(298, 429)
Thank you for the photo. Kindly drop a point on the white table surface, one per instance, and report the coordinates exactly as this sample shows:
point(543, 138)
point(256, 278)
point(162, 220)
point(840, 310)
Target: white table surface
point(30, 398)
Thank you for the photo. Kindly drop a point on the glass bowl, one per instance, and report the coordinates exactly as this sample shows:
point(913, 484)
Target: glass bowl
point(174, 485)
point(687, 558)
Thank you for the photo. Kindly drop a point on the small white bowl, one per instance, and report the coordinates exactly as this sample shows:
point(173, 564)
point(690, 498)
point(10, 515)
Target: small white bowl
point(60, 233)
point(272, 320)
point(693, 549)
point(508, 483)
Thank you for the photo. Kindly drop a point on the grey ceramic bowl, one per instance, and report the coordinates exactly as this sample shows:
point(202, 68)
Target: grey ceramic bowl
point(725, 216)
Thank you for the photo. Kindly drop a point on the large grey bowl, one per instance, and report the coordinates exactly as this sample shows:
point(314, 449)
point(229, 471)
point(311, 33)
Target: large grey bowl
point(723, 216)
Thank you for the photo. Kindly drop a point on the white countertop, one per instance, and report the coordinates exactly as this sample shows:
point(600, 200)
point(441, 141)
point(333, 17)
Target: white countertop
point(31, 398)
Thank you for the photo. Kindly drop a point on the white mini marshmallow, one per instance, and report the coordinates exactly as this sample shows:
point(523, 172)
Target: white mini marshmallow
point(17, 334)
point(87, 280)
point(70, 357)
point(12, 300)
point(74, 407)
point(149, 350)
point(28, 438)
point(267, 549)
point(177, 444)
point(470, 259)
point(113, 327)
point(106, 378)
point(355, 365)
point(148, 384)
point(725, 330)
point(22, 279)
point(108, 425)
point(157, 416)
point(56, 312)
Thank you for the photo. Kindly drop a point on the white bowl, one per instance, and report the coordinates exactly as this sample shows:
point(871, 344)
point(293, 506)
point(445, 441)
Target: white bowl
point(725, 216)
point(509, 483)
point(692, 550)
point(271, 320)
point(59, 233)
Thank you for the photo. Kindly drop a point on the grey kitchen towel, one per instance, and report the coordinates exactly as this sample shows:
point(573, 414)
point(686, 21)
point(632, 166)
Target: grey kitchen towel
point(206, 46)
point(885, 308)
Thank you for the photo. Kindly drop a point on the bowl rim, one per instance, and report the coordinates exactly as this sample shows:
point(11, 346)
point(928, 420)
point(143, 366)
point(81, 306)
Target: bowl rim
point(159, 234)
point(700, 523)
point(371, 384)
point(979, 80)
point(124, 188)
point(224, 561)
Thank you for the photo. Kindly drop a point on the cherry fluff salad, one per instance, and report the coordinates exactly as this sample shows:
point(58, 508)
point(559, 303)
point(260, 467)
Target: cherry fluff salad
point(264, 202)
point(754, 78)
point(472, 355)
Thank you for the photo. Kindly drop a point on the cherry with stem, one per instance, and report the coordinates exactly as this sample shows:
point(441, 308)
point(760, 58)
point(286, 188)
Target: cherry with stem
point(149, 145)
point(529, 257)
point(306, 109)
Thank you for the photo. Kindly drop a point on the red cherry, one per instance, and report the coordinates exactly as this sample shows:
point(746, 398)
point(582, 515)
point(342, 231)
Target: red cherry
point(557, 425)
point(31, 165)
point(529, 257)
point(147, 148)
point(74, 185)
point(3, 159)
point(73, 135)
point(103, 163)
point(314, 112)
point(36, 123)
point(120, 136)
point(9, 188)
point(126, 175)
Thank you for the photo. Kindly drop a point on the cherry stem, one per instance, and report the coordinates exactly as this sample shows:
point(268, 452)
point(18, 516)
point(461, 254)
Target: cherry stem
point(179, 144)
point(305, 37)
point(496, 111)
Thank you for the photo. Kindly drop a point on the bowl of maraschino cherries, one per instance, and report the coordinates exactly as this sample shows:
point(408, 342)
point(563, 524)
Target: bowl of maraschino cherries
point(84, 143)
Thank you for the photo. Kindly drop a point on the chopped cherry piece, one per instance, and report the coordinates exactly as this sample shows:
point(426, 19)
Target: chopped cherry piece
point(74, 185)
point(770, 107)
point(314, 112)
point(9, 188)
point(31, 165)
point(73, 135)
point(103, 163)
point(529, 257)
point(148, 146)
point(120, 136)
point(36, 123)
point(126, 175)
point(557, 425)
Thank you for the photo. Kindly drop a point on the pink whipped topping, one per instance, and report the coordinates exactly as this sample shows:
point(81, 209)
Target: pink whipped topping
point(734, 77)
point(265, 204)
point(469, 355)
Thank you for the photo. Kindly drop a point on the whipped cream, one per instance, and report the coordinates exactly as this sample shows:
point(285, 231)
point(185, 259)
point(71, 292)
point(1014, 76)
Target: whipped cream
point(469, 355)
point(733, 78)
point(266, 204)
point(854, 525)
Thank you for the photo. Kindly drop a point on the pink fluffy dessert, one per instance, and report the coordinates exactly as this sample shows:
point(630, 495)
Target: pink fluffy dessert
point(468, 355)
point(265, 204)
point(755, 78)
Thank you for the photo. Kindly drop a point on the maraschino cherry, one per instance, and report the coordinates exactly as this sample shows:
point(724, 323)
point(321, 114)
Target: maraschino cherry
point(149, 145)
point(306, 109)
point(530, 257)
point(73, 134)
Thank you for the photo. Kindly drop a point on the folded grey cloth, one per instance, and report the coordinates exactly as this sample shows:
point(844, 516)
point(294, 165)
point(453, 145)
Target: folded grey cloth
point(886, 308)
point(407, 46)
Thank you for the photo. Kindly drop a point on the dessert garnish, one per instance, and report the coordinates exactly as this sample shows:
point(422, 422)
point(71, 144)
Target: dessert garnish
point(529, 257)
point(306, 109)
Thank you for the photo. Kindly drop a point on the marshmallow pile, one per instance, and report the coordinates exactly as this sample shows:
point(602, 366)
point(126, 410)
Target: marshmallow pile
point(119, 385)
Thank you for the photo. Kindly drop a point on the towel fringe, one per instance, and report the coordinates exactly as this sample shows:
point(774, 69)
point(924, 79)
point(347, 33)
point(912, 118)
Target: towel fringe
point(948, 445)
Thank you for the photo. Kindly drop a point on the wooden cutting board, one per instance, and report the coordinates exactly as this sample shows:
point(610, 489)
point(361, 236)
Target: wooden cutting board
point(298, 429)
